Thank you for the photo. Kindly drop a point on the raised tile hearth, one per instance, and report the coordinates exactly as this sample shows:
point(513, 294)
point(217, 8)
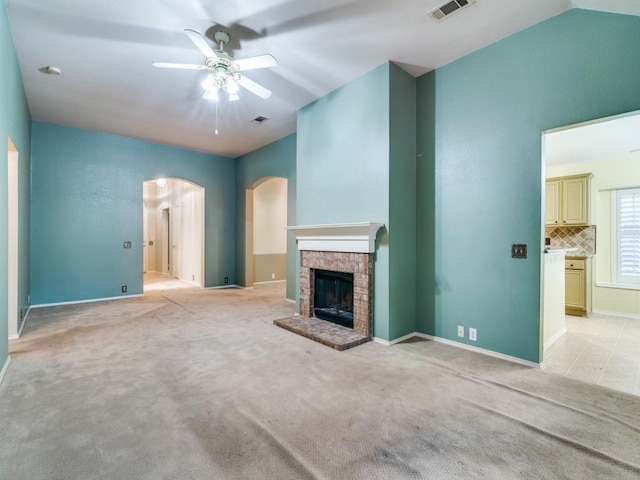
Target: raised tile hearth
point(327, 333)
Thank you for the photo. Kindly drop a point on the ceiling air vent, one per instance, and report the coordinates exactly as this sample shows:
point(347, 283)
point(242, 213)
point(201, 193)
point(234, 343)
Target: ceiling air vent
point(448, 8)
point(260, 119)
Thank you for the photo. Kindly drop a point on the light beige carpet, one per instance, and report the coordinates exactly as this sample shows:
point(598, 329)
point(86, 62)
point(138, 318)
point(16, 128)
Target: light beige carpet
point(190, 384)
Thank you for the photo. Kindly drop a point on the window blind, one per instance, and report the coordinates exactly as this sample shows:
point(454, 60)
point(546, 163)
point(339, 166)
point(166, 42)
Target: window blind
point(628, 232)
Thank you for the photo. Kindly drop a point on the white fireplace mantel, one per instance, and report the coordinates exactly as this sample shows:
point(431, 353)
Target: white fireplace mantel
point(342, 237)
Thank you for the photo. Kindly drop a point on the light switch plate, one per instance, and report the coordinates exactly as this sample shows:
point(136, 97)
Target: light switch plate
point(519, 250)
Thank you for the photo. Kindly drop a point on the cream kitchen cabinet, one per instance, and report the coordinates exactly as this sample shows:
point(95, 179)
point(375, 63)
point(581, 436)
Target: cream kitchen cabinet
point(577, 286)
point(553, 207)
point(567, 200)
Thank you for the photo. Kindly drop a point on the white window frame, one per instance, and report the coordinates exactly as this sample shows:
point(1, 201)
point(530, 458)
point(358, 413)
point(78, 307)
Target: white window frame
point(619, 278)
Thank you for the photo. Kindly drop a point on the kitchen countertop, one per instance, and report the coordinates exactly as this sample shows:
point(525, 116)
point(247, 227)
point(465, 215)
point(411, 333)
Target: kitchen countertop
point(561, 251)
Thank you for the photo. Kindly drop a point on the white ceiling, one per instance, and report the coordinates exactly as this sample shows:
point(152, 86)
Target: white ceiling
point(603, 139)
point(105, 49)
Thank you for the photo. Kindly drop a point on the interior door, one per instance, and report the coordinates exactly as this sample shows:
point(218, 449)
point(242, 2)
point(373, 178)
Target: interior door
point(175, 239)
point(145, 232)
point(166, 244)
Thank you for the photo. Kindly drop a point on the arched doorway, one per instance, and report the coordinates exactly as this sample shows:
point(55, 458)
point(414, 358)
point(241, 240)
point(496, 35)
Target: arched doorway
point(173, 230)
point(265, 232)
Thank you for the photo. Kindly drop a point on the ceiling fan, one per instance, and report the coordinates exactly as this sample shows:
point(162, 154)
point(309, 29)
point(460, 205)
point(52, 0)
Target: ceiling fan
point(224, 70)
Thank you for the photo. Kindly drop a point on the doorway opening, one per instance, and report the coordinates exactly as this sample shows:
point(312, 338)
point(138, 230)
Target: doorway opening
point(265, 231)
point(595, 337)
point(173, 234)
point(13, 318)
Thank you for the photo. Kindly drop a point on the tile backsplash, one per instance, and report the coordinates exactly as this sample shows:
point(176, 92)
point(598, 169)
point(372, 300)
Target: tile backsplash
point(582, 238)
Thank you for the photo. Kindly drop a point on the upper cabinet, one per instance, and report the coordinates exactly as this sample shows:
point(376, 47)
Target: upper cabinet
point(553, 207)
point(567, 200)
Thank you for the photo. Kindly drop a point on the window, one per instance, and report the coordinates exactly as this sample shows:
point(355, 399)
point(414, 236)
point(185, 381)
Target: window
point(626, 236)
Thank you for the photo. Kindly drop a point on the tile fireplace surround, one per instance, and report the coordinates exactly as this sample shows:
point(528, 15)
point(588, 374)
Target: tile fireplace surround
point(360, 264)
point(346, 248)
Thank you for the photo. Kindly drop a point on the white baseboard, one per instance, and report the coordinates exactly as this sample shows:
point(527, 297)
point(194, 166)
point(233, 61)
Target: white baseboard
point(555, 338)
point(483, 351)
point(222, 287)
point(269, 282)
point(4, 368)
point(288, 300)
point(395, 340)
point(91, 300)
point(24, 321)
point(452, 343)
point(616, 314)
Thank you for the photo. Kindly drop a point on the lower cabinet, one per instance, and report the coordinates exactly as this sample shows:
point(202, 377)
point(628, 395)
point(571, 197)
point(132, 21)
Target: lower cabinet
point(578, 286)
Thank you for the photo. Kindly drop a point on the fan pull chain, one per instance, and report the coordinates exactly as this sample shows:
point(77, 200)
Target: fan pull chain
point(216, 131)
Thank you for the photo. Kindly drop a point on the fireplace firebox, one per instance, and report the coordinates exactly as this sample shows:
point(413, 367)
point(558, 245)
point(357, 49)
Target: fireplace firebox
point(333, 297)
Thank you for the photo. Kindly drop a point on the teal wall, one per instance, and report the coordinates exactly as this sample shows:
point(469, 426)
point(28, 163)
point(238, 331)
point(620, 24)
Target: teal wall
point(356, 163)
point(87, 200)
point(425, 204)
point(15, 122)
point(278, 159)
point(402, 202)
point(480, 123)
point(343, 168)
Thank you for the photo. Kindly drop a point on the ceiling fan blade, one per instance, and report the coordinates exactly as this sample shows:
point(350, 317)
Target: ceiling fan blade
point(254, 88)
point(200, 42)
point(260, 61)
point(184, 66)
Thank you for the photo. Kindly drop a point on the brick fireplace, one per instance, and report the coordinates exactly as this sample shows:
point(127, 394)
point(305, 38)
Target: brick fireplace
point(344, 248)
point(360, 264)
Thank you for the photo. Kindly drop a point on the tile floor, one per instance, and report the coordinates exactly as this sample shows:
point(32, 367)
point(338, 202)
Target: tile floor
point(163, 281)
point(600, 349)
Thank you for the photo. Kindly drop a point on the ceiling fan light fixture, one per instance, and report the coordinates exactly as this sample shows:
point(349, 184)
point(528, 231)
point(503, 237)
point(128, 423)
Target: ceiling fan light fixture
point(224, 71)
point(231, 86)
point(211, 94)
point(209, 82)
point(221, 73)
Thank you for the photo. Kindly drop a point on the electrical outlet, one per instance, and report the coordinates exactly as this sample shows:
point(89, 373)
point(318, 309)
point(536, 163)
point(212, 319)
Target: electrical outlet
point(226, 279)
point(473, 334)
point(273, 276)
point(124, 289)
point(460, 331)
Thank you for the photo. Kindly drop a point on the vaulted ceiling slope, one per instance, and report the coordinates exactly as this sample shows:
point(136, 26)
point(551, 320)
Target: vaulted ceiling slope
point(105, 50)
